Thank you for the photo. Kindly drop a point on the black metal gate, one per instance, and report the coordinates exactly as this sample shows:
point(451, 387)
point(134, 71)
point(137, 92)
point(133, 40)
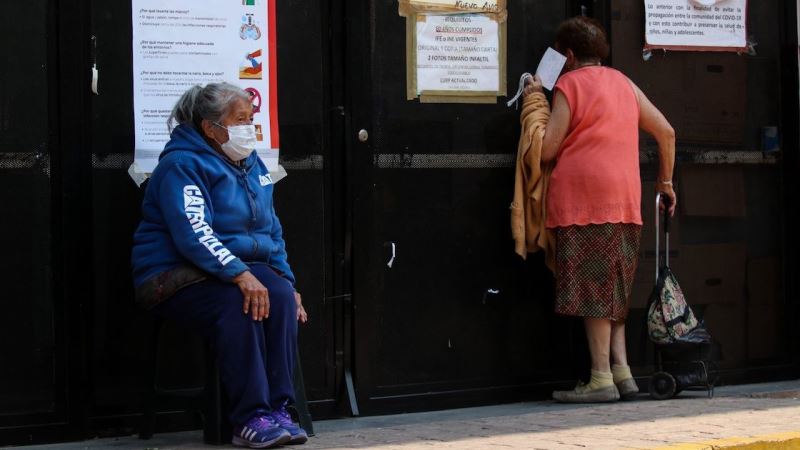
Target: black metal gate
point(75, 351)
point(449, 321)
point(456, 319)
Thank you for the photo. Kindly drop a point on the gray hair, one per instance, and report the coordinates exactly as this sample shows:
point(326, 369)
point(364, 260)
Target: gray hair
point(211, 103)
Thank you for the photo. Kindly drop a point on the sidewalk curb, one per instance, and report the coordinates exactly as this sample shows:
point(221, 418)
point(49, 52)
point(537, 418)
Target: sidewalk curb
point(778, 441)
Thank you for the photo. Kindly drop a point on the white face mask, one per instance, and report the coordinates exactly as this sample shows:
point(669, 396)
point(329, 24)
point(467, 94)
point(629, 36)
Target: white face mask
point(241, 141)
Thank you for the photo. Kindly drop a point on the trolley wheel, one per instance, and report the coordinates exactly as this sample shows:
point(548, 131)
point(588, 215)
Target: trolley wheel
point(662, 386)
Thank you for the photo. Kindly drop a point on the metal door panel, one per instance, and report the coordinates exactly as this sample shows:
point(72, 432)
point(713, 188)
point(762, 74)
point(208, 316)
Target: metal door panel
point(448, 322)
point(27, 338)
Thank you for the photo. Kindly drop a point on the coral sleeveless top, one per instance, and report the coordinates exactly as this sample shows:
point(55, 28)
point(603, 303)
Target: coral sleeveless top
point(596, 176)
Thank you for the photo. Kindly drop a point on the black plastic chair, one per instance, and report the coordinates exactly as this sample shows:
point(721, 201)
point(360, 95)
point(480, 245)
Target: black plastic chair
point(216, 428)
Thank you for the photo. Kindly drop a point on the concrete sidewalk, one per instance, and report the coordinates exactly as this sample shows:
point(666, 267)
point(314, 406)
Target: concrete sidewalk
point(749, 416)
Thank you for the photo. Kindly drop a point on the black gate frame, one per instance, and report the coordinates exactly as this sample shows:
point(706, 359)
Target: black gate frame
point(69, 142)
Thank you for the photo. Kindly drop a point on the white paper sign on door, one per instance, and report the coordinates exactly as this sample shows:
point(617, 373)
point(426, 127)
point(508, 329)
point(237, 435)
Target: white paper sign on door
point(180, 43)
point(458, 52)
point(696, 24)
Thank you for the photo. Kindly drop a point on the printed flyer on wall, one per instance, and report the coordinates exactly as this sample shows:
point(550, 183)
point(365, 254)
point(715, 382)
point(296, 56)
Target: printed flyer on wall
point(180, 43)
point(457, 52)
point(707, 25)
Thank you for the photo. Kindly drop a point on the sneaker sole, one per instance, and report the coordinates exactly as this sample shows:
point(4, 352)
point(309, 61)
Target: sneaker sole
point(282, 439)
point(628, 390)
point(297, 440)
point(603, 395)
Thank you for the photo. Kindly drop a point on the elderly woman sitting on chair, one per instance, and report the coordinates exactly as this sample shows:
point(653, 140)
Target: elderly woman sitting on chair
point(209, 254)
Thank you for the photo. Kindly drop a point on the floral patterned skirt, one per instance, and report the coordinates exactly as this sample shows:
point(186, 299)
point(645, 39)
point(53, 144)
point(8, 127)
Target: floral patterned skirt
point(595, 266)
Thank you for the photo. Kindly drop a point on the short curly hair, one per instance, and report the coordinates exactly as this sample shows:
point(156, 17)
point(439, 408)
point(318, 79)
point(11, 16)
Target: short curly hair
point(584, 36)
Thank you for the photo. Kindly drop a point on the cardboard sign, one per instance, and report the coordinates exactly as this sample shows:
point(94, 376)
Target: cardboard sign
point(409, 7)
point(455, 50)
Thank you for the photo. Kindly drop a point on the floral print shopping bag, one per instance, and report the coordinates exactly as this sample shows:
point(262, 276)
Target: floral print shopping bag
point(669, 317)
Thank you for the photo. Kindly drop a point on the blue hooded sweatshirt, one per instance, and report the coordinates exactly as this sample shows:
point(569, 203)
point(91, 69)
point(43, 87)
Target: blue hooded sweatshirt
point(200, 209)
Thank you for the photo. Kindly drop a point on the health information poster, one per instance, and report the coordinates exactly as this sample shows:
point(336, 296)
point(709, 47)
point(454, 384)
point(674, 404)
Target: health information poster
point(180, 43)
point(716, 25)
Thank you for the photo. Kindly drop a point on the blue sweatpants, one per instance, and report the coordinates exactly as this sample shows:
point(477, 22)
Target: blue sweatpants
point(255, 359)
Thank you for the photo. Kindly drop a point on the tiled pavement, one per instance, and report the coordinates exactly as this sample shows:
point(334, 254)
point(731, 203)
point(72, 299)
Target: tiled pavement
point(736, 412)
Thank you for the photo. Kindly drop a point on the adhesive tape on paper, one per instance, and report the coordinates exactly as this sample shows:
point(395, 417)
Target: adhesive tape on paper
point(706, 2)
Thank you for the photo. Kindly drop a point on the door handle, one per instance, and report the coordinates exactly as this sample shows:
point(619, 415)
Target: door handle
point(363, 135)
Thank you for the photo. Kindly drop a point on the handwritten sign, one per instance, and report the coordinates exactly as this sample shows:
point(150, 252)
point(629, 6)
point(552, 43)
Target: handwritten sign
point(482, 5)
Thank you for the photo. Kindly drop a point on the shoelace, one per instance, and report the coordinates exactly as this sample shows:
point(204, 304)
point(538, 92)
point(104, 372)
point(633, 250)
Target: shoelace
point(263, 423)
point(282, 417)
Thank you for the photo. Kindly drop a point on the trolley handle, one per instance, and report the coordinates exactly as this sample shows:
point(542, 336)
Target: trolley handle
point(667, 203)
point(662, 197)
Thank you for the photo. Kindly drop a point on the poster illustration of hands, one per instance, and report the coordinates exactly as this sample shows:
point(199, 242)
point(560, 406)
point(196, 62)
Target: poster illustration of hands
point(180, 43)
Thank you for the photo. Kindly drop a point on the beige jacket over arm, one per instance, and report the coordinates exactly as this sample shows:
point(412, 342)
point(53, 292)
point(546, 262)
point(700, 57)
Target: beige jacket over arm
point(530, 184)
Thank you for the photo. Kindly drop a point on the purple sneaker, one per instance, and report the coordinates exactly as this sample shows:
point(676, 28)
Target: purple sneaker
point(284, 420)
point(260, 432)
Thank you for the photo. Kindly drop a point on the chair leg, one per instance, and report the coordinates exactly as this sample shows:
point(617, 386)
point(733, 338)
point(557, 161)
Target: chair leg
point(301, 403)
point(148, 422)
point(216, 429)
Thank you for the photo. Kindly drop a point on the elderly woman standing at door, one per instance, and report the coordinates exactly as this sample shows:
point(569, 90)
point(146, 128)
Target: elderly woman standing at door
point(594, 199)
point(209, 253)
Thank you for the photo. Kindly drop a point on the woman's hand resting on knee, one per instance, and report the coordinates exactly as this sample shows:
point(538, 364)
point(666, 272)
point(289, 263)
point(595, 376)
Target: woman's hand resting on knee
point(256, 296)
point(302, 317)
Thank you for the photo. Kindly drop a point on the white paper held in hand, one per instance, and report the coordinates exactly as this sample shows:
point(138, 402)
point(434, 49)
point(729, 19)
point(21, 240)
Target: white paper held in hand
point(550, 68)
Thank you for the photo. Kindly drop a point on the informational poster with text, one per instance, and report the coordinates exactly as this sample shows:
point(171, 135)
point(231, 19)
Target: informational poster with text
point(181, 43)
point(711, 25)
point(457, 53)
